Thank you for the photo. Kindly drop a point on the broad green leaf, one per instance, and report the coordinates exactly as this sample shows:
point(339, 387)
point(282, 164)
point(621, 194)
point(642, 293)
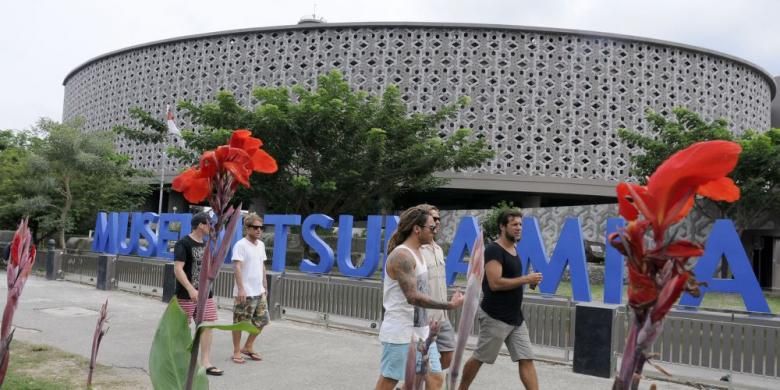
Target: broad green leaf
point(244, 326)
point(169, 357)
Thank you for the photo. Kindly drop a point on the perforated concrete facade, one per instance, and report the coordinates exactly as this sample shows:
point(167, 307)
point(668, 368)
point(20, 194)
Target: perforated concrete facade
point(548, 102)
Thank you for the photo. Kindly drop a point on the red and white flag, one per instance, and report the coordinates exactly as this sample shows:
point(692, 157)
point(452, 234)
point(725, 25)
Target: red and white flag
point(172, 129)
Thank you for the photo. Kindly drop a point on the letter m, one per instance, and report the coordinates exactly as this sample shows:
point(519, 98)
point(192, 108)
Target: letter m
point(106, 234)
point(569, 250)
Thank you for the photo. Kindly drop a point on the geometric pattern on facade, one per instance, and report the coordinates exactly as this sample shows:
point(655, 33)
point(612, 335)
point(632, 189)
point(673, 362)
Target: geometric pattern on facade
point(548, 102)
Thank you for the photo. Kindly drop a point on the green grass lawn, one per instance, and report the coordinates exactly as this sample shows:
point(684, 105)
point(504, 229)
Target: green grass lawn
point(42, 367)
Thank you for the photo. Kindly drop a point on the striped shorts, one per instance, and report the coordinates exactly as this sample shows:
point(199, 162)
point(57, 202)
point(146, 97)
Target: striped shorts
point(189, 306)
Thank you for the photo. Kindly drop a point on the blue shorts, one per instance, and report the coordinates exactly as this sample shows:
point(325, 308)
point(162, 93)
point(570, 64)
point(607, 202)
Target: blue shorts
point(393, 363)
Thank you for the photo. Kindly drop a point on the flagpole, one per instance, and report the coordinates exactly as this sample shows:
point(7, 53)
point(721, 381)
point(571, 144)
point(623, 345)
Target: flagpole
point(162, 178)
point(171, 129)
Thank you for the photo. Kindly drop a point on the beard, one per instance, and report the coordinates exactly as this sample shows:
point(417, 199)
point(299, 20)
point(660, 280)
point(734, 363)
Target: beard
point(510, 237)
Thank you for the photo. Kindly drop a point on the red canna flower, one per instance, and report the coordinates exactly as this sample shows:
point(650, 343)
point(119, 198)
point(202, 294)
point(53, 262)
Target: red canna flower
point(657, 276)
point(668, 197)
point(19, 267)
point(239, 158)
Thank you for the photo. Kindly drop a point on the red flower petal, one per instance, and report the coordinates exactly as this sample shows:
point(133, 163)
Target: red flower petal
point(16, 243)
point(222, 152)
point(263, 162)
point(181, 182)
point(198, 191)
point(722, 189)
point(239, 172)
point(238, 137)
point(682, 248)
point(192, 185)
point(684, 172)
point(209, 164)
point(251, 144)
point(642, 290)
point(32, 255)
point(642, 200)
point(626, 207)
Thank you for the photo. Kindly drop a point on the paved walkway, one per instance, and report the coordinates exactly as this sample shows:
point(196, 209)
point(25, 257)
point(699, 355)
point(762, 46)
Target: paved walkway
point(296, 355)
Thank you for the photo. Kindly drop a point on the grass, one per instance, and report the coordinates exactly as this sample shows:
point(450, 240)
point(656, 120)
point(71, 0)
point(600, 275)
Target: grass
point(711, 300)
point(39, 367)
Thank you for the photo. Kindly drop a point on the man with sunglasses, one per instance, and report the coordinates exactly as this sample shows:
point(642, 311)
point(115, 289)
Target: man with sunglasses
point(249, 290)
point(405, 295)
point(440, 353)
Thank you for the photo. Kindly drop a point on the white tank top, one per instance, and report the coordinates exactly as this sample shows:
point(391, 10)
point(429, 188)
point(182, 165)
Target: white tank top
point(401, 319)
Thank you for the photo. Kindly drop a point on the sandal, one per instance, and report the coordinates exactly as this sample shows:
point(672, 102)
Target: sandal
point(214, 371)
point(252, 355)
point(238, 360)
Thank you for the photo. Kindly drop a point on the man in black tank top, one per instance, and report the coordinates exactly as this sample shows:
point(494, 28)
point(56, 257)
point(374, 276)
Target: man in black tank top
point(500, 315)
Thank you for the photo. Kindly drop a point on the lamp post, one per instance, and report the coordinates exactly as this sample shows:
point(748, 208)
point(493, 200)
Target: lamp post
point(162, 176)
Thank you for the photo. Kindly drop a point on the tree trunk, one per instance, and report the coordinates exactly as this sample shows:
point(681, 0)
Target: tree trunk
point(64, 213)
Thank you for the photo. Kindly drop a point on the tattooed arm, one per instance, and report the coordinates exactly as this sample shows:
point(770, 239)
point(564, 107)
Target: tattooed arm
point(401, 267)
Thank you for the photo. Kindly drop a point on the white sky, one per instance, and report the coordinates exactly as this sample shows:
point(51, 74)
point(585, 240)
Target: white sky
point(42, 40)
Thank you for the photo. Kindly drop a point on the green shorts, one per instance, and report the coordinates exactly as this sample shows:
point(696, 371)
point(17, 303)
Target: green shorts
point(254, 310)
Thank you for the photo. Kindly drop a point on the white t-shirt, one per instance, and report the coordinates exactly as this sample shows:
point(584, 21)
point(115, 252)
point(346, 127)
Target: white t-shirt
point(251, 257)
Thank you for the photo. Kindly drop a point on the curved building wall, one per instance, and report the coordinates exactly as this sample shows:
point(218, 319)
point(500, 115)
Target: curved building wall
point(548, 102)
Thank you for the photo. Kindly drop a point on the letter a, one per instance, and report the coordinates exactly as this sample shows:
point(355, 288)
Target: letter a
point(724, 242)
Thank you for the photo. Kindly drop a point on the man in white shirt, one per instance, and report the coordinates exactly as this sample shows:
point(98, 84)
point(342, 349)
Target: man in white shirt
point(440, 353)
point(250, 288)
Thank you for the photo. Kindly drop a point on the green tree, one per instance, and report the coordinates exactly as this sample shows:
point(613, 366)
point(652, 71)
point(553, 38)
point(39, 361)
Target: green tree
point(70, 175)
point(757, 174)
point(338, 150)
point(489, 224)
point(14, 156)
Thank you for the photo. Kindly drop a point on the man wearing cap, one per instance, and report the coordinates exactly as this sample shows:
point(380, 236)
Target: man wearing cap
point(187, 264)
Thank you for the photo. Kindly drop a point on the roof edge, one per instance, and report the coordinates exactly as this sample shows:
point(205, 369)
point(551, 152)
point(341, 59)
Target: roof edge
point(474, 26)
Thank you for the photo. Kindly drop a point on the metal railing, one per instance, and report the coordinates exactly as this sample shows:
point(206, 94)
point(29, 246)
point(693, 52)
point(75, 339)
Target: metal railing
point(735, 342)
point(138, 274)
point(330, 300)
point(80, 268)
point(359, 299)
point(741, 343)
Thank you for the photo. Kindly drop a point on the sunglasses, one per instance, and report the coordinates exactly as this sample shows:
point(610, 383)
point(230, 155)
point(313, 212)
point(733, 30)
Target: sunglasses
point(436, 219)
point(256, 226)
point(432, 227)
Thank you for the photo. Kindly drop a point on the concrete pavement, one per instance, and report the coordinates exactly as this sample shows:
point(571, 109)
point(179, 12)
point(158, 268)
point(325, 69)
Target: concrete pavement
point(296, 355)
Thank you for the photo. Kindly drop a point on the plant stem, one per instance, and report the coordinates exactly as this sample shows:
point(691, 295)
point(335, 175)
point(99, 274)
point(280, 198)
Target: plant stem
point(193, 359)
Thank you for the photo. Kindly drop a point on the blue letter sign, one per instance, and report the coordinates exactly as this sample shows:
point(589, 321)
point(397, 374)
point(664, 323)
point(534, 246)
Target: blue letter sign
point(569, 250)
point(462, 244)
point(111, 237)
point(280, 223)
point(310, 237)
point(613, 265)
point(724, 243)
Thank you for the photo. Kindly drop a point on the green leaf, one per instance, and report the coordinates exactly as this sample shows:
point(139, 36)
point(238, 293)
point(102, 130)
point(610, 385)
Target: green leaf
point(169, 357)
point(244, 326)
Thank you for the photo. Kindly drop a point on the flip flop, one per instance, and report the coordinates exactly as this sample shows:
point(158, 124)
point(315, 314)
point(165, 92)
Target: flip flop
point(238, 360)
point(214, 371)
point(252, 355)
